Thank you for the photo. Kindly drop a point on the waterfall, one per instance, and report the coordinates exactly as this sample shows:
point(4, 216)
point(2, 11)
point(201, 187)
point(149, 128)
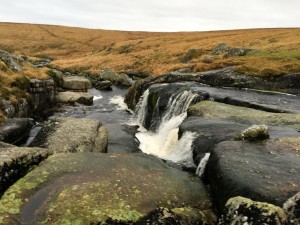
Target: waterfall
point(164, 142)
point(141, 108)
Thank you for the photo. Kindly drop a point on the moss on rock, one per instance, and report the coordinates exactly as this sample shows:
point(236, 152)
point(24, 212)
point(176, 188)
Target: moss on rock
point(86, 188)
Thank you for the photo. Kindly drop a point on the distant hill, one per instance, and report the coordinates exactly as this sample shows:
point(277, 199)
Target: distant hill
point(273, 51)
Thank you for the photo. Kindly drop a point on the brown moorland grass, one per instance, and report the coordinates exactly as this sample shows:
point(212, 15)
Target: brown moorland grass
point(82, 49)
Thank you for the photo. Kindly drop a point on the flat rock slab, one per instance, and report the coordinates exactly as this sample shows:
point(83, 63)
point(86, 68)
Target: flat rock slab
point(76, 83)
point(121, 138)
point(91, 188)
point(266, 172)
point(15, 163)
point(64, 134)
point(15, 130)
point(210, 132)
point(216, 110)
point(69, 97)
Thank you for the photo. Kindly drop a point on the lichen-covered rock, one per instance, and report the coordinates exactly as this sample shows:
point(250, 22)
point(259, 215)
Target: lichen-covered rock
point(191, 54)
point(192, 216)
point(103, 85)
point(93, 188)
point(239, 51)
point(160, 216)
point(5, 145)
point(255, 132)
point(76, 83)
point(217, 110)
point(239, 210)
point(292, 209)
point(72, 135)
point(15, 130)
point(266, 171)
point(9, 60)
point(69, 97)
point(220, 48)
point(15, 163)
point(118, 79)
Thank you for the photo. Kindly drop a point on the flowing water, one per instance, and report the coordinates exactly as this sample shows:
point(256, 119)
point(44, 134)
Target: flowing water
point(164, 142)
point(108, 107)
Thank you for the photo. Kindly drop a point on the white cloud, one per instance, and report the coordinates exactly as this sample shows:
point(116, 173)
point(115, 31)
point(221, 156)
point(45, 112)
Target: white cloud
point(155, 15)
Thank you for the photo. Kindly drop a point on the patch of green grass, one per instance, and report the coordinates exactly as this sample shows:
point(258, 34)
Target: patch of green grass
point(282, 54)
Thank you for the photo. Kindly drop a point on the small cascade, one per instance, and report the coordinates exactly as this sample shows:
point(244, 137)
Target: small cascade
point(201, 167)
point(164, 142)
point(141, 108)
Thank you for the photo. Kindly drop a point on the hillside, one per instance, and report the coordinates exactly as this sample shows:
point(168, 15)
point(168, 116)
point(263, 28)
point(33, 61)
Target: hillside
point(274, 51)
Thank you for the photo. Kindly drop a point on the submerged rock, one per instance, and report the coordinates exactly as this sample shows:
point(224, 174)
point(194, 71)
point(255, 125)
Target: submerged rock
point(266, 171)
point(239, 210)
point(89, 188)
point(64, 134)
point(69, 97)
point(15, 162)
point(15, 130)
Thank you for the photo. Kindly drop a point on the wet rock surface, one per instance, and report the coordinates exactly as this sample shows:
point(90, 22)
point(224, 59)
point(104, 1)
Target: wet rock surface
point(89, 188)
point(266, 171)
point(72, 135)
point(219, 78)
point(15, 162)
point(121, 138)
point(210, 132)
point(216, 110)
point(14, 130)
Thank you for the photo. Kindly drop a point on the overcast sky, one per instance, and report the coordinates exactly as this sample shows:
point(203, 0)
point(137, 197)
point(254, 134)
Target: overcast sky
point(155, 15)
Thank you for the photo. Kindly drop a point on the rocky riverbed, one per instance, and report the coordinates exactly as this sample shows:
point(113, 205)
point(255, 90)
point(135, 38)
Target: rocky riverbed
point(228, 155)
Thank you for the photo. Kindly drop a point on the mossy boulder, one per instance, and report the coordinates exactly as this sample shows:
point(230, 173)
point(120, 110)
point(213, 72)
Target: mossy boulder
point(93, 188)
point(216, 110)
point(239, 210)
point(64, 134)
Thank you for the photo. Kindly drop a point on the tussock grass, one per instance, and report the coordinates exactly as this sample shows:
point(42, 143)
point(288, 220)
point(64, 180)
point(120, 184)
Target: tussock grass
point(153, 52)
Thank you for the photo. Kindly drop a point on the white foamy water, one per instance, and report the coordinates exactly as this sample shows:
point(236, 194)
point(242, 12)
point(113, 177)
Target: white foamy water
point(201, 167)
point(96, 98)
point(118, 100)
point(141, 108)
point(164, 142)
